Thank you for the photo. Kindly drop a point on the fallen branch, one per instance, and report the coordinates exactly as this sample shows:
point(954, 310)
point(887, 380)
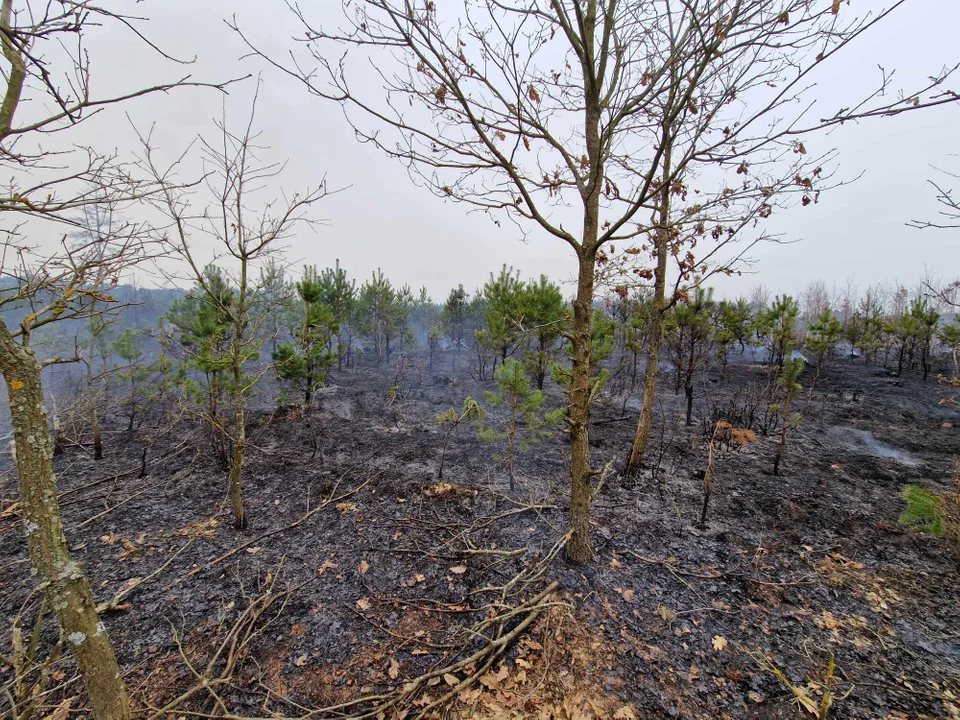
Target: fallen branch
point(116, 603)
point(111, 509)
point(277, 531)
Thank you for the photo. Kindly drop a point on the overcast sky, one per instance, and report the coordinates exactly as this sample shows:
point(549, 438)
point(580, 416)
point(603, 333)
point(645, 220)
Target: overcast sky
point(381, 219)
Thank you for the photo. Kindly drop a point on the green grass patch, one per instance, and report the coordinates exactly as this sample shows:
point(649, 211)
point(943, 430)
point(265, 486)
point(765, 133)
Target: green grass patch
point(924, 511)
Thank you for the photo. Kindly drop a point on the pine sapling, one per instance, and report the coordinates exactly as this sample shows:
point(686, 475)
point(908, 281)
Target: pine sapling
point(525, 424)
point(788, 381)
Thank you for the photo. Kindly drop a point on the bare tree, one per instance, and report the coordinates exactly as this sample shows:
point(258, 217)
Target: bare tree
point(247, 232)
point(588, 120)
point(949, 200)
point(48, 93)
point(949, 205)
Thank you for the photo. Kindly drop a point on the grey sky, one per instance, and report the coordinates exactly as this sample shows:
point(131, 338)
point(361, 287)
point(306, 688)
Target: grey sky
point(382, 219)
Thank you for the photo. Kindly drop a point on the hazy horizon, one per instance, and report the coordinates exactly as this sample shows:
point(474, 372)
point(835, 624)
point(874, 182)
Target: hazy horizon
point(381, 219)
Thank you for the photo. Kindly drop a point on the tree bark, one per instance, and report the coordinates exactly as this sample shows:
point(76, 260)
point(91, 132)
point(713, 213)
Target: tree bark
point(60, 579)
point(579, 550)
point(642, 436)
point(578, 546)
point(782, 446)
point(240, 432)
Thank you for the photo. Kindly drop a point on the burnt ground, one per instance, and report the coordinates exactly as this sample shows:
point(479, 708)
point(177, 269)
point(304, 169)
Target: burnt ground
point(377, 585)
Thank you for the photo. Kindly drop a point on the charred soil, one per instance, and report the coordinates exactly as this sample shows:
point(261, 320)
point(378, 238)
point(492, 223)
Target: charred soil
point(364, 573)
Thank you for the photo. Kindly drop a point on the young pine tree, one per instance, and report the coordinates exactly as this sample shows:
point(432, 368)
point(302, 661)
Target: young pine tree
point(454, 319)
point(504, 293)
point(382, 314)
point(202, 324)
point(339, 294)
point(780, 321)
point(824, 335)
point(525, 424)
point(691, 328)
point(303, 364)
point(545, 318)
point(789, 383)
point(128, 348)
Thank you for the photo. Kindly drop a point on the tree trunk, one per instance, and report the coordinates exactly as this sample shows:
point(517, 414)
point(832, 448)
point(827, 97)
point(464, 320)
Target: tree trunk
point(92, 414)
point(578, 547)
point(688, 390)
point(783, 434)
point(639, 446)
point(513, 440)
point(239, 446)
point(60, 579)
point(133, 399)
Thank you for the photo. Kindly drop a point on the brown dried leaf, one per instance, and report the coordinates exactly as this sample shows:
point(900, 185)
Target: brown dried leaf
point(364, 566)
point(363, 603)
point(394, 670)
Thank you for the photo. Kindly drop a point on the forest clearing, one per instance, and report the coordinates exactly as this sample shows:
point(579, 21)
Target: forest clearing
point(284, 444)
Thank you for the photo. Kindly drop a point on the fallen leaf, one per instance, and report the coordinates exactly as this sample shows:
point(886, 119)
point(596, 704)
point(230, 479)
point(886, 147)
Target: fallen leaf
point(394, 670)
point(755, 696)
point(629, 595)
point(363, 603)
point(459, 569)
point(625, 713)
point(253, 550)
point(364, 566)
point(346, 507)
point(719, 642)
point(490, 681)
point(451, 680)
point(668, 614)
point(327, 564)
point(300, 661)
point(616, 564)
